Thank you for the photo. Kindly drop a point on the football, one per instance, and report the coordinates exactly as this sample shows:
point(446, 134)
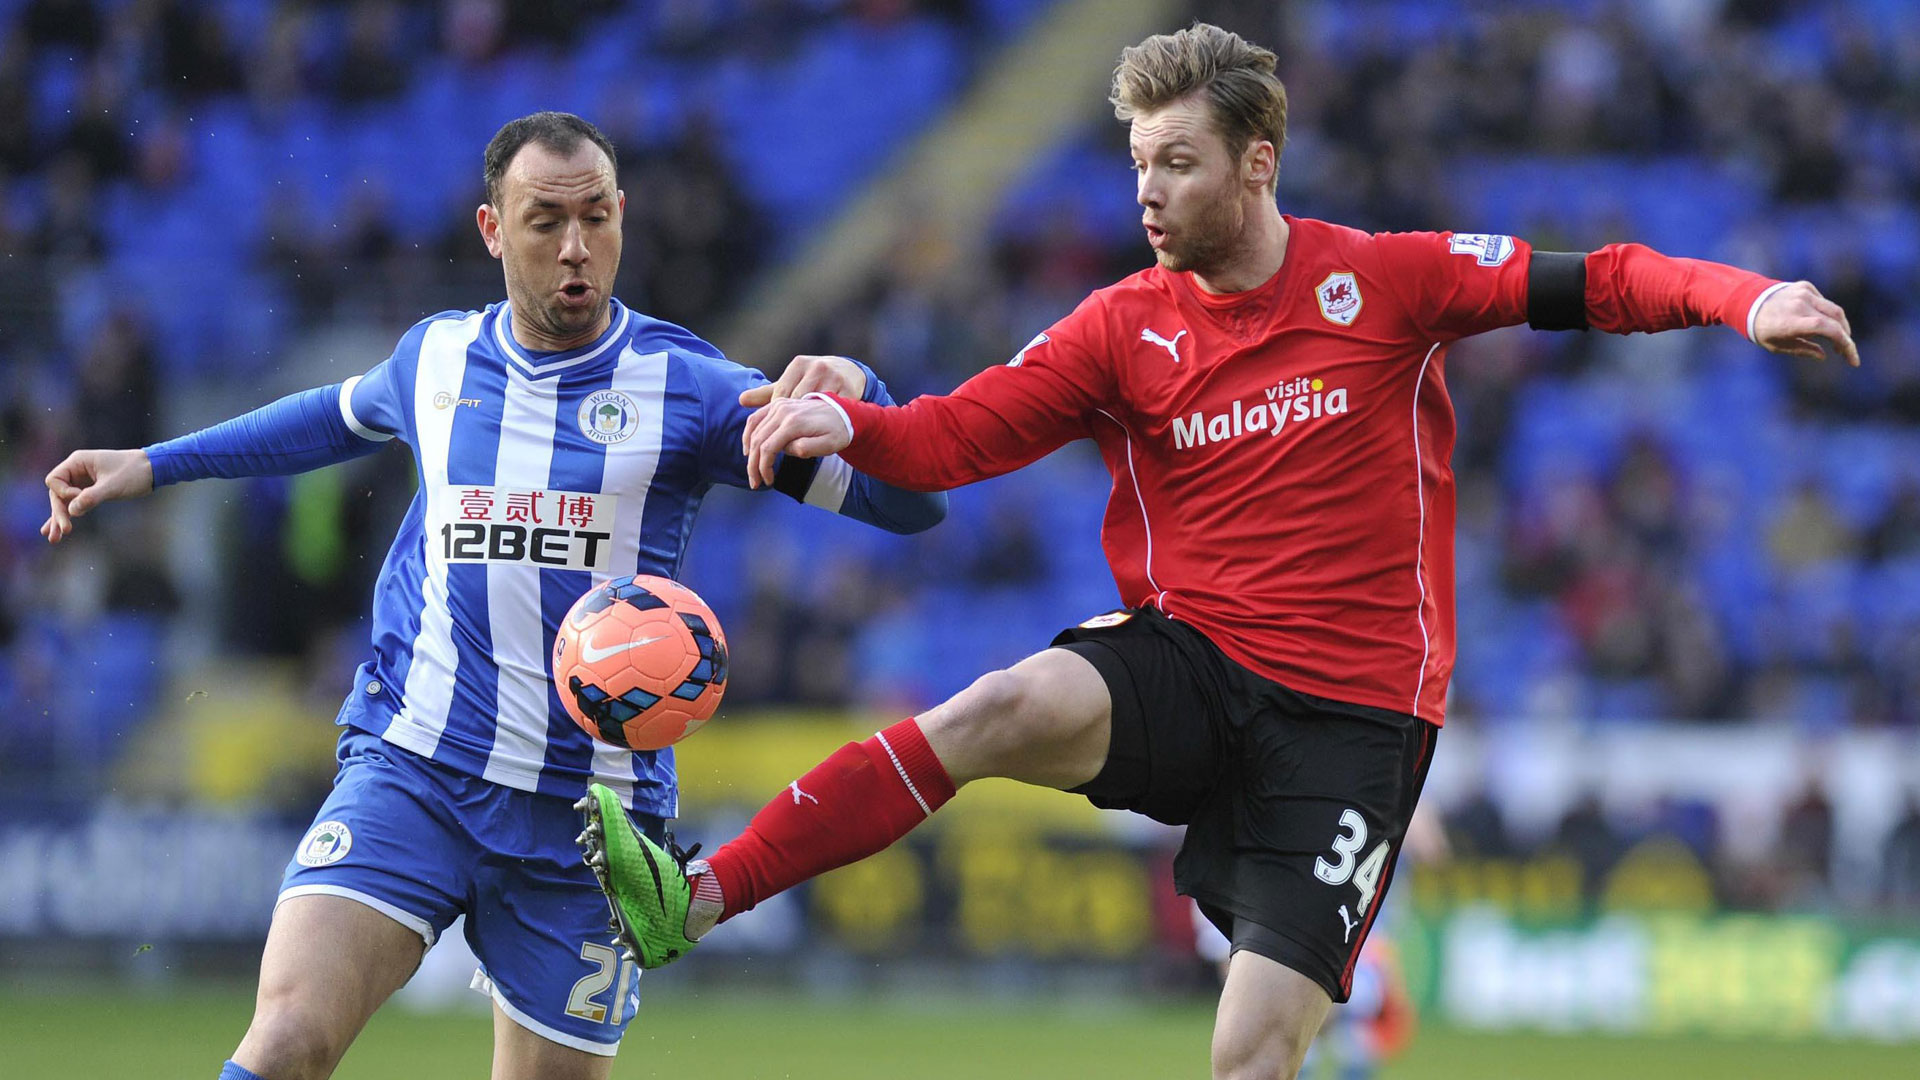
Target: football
point(640, 662)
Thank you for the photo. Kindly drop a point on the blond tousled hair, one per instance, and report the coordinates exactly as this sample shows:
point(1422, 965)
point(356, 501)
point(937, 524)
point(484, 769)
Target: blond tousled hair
point(1248, 100)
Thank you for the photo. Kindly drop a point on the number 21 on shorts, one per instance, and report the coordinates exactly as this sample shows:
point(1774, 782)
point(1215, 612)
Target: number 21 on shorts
point(581, 1001)
point(1366, 876)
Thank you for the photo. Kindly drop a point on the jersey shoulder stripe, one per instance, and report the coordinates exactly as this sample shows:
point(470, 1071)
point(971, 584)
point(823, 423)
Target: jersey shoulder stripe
point(379, 404)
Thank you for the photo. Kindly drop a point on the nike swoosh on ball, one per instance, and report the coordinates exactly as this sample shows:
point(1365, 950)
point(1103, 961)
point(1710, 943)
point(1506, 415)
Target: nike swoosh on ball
point(593, 656)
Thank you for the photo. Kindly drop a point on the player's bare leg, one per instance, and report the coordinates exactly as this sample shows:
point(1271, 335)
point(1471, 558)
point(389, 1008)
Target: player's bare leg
point(1044, 721)
point(1047, 721)
point(1269, 1014)
point(520, 1054)
point(329, 963)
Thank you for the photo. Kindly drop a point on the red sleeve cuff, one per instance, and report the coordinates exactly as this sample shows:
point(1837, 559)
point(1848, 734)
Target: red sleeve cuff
point(1746, 302)
point(862, 418)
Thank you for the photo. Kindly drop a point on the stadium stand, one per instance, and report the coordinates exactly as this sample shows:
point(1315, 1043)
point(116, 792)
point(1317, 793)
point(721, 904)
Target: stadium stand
point(203, 205)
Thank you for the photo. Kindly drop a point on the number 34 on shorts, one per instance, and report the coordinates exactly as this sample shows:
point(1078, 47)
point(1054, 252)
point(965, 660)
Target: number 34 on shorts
point(1347, 865)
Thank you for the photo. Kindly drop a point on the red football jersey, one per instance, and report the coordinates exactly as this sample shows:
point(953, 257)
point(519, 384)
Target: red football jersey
point(1281, 456)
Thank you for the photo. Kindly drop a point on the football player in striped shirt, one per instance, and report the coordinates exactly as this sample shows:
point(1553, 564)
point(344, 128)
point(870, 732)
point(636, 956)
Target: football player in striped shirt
point(561, 438)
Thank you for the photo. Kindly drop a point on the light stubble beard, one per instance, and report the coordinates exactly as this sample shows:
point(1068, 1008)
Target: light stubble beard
point(550, 320)
point(555, 314)
point(1210, 241)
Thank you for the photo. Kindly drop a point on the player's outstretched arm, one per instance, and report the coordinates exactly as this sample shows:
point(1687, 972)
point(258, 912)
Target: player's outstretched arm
point(1630, 287)
point(88, 478)
point(1455, 284)
point(298, 432)
point(1795, 320)
point(1052, 392)
point(997, 421)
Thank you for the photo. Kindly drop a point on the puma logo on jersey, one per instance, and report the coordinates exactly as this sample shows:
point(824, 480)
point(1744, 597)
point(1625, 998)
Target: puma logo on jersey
point(1172, 346)
point(1349, 921)
point(1288, 404)
point(799, 794)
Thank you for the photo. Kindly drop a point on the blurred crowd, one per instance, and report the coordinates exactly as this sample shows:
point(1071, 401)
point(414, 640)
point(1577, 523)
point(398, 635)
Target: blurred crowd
point(1678, 527)
point(1674, 852)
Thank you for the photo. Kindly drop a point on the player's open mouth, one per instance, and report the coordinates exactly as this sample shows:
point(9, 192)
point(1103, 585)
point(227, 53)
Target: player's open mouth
point(576, 293)
point(1155, 234)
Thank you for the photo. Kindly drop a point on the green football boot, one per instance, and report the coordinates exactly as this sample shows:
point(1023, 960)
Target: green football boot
point(646, 885)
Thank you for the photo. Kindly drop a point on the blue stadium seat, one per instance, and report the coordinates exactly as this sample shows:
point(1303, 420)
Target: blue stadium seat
point(1889, 240)
point(1888, 600)
point(895, 661)
point(1505, 648)
point(1085, 179)
point(123, 671)
point(1856, 466)
point(1814, 604)
point(246, 23)
point(1627, 700)
point(1004, 18)
point(805, 132)
point(57, 79)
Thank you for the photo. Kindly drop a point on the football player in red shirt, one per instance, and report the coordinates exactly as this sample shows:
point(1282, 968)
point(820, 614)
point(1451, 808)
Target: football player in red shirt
point(1270, 400)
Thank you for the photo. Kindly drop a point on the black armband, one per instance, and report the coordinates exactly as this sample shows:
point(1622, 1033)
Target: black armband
point(794, 475)
point(1557, 290)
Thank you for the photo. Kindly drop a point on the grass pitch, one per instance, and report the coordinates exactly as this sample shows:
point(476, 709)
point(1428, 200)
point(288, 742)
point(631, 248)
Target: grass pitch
point(185, 1032)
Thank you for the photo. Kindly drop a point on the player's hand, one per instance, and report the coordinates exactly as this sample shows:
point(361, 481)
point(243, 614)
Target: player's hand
point(803, 427)
point(809, 374)
point(88, 478)
point(1797, 319)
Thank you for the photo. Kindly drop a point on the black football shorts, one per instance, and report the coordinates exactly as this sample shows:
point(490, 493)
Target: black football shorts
point(1295, 806)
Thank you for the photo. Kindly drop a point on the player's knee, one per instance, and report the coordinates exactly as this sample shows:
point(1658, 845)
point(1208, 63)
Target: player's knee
point(990, 712)
point(972, 732)
point(1274, 1054)
point(289, 1042)
point(1012, 723)
point(1010, 711)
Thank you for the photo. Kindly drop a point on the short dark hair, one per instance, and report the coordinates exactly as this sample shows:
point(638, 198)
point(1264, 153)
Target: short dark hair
point(559, 132)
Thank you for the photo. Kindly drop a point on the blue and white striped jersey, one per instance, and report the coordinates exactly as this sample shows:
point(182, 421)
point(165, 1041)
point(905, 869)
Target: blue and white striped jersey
point(539, 474)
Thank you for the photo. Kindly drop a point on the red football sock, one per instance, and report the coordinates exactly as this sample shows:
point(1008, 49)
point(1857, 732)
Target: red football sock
point(857, 802)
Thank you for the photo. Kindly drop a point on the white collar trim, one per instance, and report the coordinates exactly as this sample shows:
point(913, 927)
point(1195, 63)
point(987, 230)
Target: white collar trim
point(562, 361)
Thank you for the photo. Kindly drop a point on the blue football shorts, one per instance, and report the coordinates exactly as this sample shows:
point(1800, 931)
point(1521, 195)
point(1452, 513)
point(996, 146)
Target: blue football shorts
point(423, 844)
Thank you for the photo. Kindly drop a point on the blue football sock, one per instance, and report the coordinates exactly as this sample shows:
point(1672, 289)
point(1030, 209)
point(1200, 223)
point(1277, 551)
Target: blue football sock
point(230, 1071)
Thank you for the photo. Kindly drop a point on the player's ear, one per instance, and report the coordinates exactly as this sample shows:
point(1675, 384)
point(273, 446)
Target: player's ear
point(489, 221)
point(620, 198)
point(1258, 164)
